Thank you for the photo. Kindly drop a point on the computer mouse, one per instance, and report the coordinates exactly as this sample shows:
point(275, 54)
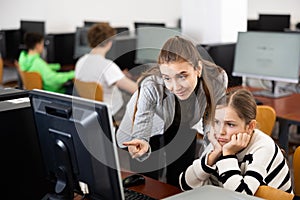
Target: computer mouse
point(133, 180)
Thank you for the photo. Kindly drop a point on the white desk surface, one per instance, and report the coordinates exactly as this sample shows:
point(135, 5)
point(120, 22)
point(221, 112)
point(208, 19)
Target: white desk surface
point(211, 192)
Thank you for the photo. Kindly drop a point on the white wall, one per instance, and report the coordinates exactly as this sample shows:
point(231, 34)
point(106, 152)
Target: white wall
point(208, 21)
point(65, 15)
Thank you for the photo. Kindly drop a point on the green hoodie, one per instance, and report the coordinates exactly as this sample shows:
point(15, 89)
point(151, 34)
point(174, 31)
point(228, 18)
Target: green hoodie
point(52, 80)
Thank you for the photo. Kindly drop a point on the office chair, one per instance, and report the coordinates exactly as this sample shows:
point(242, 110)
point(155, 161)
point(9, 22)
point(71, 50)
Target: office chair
point(30, 80)
point(1, 70)
point(89, 90)
point(8, 83)
point(296, 168)
point(266, 118)
point(270, 193)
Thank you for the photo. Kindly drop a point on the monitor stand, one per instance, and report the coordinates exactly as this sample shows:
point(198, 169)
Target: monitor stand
point(276, 92)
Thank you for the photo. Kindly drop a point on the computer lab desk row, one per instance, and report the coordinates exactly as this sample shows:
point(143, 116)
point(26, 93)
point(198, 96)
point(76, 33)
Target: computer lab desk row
point(159, 190)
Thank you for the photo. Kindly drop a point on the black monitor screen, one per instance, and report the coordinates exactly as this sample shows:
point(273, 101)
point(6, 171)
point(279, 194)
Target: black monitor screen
point(252, 25)
point(147, 24)
point(60, 48)
point(278, 23)
point(9, 44)
point(223, 55)
point(78, 145)
point(32, 26)
point(91, 23)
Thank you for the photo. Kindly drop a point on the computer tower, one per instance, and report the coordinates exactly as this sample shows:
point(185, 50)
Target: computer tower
point(22, 174)
point(10, 41)
point(2, 44)
point(60, 48)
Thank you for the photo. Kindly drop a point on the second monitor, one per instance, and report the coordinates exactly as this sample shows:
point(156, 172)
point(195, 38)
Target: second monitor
point(150, 41)
point(270, 56)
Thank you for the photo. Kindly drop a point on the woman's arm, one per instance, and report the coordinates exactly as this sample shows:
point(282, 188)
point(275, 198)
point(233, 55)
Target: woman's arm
point(137, 123)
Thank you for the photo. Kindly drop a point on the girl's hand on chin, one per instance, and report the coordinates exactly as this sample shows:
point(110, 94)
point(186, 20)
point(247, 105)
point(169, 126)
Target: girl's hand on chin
point(238, 142)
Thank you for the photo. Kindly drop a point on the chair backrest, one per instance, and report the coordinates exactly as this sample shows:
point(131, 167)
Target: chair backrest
point(296, 168)
point(89, 90)
point(1, 70)
point(31, 80)
point(266, 118)
point(270, 193)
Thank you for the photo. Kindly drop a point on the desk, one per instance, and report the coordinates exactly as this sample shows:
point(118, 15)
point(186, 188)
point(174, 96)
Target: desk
point(212, 192)
point(287, 112)
point(152, 188)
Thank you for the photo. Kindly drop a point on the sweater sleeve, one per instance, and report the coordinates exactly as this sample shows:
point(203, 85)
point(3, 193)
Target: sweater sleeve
point(199, 173)
point(52, 80)
point(54, 66)
point(231, 177)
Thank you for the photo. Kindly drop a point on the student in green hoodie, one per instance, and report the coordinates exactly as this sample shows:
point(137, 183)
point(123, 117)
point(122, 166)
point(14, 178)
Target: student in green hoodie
point(31, 61)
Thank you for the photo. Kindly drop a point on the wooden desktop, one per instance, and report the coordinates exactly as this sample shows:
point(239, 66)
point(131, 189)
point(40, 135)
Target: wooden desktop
point(152, 188)
point(287, 112)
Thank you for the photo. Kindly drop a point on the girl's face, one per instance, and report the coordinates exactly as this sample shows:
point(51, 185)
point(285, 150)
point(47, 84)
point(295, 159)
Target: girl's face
point(228, 123)
point(180, 78)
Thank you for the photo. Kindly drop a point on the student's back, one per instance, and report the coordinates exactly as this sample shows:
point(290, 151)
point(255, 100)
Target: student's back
point(31, 61)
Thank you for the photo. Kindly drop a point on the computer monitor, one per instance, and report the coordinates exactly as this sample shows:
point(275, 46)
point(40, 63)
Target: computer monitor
point(32, 26)
point(81, 44)
point(60, 48)
point(252, 25)
point(23, 176)
point(78, 145)
point(223, 55)
point(268, 55)
point(274, 22)
point(10, 41)
point(150, 41)
point(122, 30)
point(123, 51)
point(91, 23)
point(147, 24)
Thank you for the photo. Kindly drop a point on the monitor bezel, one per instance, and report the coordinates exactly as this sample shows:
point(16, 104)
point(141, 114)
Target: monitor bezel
point(67, 99)
point(262, 76)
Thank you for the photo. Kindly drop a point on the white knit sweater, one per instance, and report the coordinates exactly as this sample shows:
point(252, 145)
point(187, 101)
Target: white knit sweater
point(260, 163)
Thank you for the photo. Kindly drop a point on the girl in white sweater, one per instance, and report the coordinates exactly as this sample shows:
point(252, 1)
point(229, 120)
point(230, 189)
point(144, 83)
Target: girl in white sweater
point(239, 157)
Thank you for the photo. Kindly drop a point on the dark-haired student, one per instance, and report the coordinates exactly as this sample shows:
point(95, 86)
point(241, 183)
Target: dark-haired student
point(239, 156)
point(30, 61)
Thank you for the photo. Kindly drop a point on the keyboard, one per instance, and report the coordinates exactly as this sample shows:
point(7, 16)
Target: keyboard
point(133, 195)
